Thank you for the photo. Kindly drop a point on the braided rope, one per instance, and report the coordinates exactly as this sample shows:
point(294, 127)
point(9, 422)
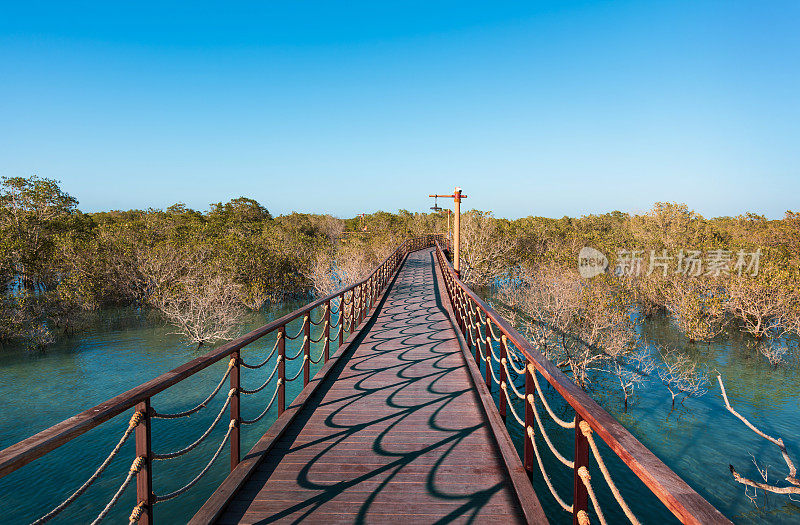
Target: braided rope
point(302, 348)
point(583, 473)
point(495, 337)
point(136, 466)
point(511, 405)
point(321, 319)
point(265, 383)
point(586, 430)
point(181, 452)
point(302, 327)
point(482, 318)
point(558, 499)
point(132, 424)
point(491, 369)
point(136, 513)
point(176, 493)
point(300, 371)
point(561, 422)
point(511, 382)
point(321, 336)
point(480, 352)
point(269, 405)
point(264, 362)
point(491, 348)
point(512, 358)
point(319, 359)
point(202, 405)
point(532, 402)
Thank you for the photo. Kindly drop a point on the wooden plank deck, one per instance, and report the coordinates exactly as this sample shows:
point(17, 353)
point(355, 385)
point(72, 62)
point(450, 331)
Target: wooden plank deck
point(398, 434)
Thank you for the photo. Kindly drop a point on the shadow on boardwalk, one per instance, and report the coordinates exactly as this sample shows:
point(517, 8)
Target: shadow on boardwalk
point(396, 432)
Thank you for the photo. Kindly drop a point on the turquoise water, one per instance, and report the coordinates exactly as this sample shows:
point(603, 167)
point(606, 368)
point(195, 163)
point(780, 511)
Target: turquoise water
point(697, 439)
point(123, 348)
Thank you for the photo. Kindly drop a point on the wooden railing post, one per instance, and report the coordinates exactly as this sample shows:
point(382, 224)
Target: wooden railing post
point(352, 310)
point(144, 478)
point(487, 343)
point(327, 321)
point(282, 369)
point(503, 376)
point(530, 390)
point(361, 302)
point(580, 497)
point(364, 301)
point(307, 348)
point(235, 409)
point(342, 318)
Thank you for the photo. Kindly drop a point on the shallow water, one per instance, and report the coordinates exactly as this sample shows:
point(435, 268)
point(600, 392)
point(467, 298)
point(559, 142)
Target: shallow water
point(697, 439)
point(123, 348)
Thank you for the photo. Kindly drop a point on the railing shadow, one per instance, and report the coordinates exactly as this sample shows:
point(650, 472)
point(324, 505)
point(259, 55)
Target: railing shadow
point(401, 393)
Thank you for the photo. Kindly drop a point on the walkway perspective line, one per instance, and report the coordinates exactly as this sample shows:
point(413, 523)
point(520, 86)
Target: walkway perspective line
point(397, 433)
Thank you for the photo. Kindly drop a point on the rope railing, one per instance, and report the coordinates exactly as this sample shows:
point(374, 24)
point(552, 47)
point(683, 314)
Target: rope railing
point(300, 351)
point(203, 436)
point(132, 424)
point(136, 467)
point(243, 390)
point(338, 315)
point(174, 494)
point(481, 326)
point(299, 371)
point(302, 327)
point(202, 404)
point(269, 405)
point(266, 359)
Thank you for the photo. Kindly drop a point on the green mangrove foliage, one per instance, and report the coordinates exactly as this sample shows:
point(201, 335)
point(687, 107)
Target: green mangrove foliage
point(201, 270)
point(706, 274)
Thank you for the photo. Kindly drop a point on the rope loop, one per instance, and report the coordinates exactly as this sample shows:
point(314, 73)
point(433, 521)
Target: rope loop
point(583, 472)
point(137, 464)
point(136, 513)
point(136, 418)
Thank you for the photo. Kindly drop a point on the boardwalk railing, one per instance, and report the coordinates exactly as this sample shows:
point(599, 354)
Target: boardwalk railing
point(484, 331)
point(349, 307)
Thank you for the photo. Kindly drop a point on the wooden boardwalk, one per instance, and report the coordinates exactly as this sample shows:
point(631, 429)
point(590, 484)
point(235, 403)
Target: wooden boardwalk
point(397, 433)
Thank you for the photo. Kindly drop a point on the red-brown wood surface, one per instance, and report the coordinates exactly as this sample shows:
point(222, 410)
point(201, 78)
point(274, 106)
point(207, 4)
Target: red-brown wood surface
point(22, 453)
point(683, 501)
point(398, 434)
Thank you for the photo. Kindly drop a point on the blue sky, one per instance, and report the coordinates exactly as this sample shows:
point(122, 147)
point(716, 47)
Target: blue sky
point(534, 108)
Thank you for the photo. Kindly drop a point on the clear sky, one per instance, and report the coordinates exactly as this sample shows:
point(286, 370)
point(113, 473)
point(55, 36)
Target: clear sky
point(534, 108)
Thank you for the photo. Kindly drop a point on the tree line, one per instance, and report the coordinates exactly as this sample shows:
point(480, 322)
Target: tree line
point(200, 270)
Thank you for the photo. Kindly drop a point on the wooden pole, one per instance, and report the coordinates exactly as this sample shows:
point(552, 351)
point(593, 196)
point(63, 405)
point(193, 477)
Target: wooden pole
point(530, 390)
point(449, 235)
point(235, 410)
point(341, 320)
point(307, 349)
point(282, 369)
point(457, 232)
point(503, 377)
point(144, 478)
point(327, 336)
point(580, 497)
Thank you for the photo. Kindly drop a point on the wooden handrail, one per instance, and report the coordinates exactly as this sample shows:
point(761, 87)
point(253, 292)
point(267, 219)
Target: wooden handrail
point(683, 501)
point(23, 452)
